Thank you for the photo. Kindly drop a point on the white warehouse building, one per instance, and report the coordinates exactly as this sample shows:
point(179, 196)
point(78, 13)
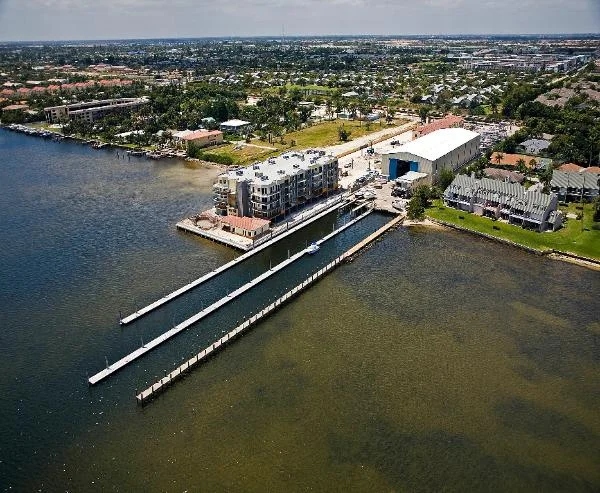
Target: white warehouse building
point(448, 148)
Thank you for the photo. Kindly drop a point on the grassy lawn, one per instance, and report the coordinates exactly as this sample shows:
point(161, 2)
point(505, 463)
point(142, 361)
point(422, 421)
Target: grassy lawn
point(572, 237)
point(318, 135)
point(243, 156)
point(326, 134)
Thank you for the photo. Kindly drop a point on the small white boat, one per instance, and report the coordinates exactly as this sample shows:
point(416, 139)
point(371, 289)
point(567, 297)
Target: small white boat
point(312, 249)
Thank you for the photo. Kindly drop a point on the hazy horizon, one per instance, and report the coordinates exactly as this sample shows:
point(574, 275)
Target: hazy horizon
point(85, 20)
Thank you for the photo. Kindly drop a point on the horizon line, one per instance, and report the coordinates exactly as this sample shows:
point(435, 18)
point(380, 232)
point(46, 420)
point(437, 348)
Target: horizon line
point(289, 36)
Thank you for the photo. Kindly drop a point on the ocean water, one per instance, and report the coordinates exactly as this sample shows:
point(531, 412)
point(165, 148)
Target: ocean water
point(435, 361)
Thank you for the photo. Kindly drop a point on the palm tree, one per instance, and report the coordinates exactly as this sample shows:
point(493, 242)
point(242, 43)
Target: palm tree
point(521, 168)
point(499, 157)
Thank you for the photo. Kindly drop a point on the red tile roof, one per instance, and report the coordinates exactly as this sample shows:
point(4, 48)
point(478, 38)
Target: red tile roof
point(446, 122)
point(245, 223)
point(201, 134)
point(591, 169)
point(511, 159)
point(572, 167)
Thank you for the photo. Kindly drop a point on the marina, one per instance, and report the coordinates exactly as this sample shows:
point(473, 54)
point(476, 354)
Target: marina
point(114, 367)
point(206, 353)
point(339, 203)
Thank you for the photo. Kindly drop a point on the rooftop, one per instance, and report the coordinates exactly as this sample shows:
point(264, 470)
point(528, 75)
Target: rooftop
point(200, 134)
point(235, 123)
point(245, 223)
point(437, 144)
point(281, 167)
point(565, 179)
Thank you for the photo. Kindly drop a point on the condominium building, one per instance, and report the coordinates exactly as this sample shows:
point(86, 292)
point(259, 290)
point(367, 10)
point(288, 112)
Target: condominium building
point(503, 200)
point(92, 110)
point(273, 188)
point(575, 186)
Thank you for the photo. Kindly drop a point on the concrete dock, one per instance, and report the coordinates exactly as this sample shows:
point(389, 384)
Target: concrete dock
point(110, 369)
point(197, 282)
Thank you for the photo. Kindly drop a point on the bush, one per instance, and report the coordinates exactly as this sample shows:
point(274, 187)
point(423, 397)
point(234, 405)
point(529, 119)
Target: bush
point(212, 157)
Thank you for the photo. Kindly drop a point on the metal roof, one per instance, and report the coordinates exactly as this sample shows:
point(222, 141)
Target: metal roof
point(508, 194)
point(437, 144)
point(565, 179)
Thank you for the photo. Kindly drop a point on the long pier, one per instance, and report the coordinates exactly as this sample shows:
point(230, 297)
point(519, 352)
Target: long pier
point(179, 372)
point(197, 282)
point(114, 367)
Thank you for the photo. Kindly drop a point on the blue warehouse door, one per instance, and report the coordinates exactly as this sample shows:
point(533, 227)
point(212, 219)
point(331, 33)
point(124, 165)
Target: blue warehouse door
point(414, 166)
point(393, 168)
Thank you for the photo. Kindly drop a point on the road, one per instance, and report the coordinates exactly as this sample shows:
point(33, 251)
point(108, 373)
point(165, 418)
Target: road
point(359, 161)
point(359, 142)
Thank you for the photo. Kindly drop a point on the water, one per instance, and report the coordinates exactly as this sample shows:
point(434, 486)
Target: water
point(435, 361)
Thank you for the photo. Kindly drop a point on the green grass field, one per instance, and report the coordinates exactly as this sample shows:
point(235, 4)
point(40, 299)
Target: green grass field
point(244, 155)
point(574, 237)
point(318, 135)
point(326, 134)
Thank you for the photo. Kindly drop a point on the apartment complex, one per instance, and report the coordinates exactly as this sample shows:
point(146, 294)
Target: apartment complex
point(575, 186)
point(92, 110)
point(503, 200)
point(273, 188)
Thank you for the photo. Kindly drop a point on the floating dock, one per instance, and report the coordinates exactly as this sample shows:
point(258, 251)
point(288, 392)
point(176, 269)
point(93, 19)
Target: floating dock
point(161, 384)
point(110, 369)
point(197, 282)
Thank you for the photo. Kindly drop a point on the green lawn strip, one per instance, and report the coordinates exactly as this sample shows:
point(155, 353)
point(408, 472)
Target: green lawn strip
point(572, 238)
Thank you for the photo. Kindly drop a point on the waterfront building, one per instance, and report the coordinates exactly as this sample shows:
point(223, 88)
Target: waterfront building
point(448, 148)
point(92, 110)
point(249, 227)
point(273, 188)
point(203, 138)
point(503, 200)
point(410, 181)
point(575, 185)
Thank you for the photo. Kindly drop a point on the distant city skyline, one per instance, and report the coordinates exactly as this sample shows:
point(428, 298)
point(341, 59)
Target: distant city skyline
point(125, 19)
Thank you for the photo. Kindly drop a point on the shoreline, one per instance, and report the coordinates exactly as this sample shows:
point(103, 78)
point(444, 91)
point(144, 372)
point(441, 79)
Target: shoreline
point(94, 143)
point(571, 258)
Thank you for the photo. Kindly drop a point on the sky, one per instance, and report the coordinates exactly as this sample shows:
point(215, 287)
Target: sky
point(25, 20)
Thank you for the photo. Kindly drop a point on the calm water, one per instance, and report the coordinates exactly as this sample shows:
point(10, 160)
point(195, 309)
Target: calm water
point(435, 361)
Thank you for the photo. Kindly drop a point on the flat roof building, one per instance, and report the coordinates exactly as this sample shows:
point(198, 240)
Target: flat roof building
point(92, 110)
point(273, 188)
point(448, 148)
point(234, 126)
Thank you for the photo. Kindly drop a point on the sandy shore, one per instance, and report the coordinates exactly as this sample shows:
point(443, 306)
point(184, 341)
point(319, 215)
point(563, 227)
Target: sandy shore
point(426, 223)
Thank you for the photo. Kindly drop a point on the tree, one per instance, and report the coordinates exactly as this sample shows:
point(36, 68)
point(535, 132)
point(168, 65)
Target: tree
point(499, 157)
point(415, 209)
point(423, 113)
point(521, 167)
point(445, 178)
point(343, 133)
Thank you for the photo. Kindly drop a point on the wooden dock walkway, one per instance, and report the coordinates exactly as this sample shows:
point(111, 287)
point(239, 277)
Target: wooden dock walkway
point(197, 282)
point(110, 369)
point(359, 246)
point(179, 372)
